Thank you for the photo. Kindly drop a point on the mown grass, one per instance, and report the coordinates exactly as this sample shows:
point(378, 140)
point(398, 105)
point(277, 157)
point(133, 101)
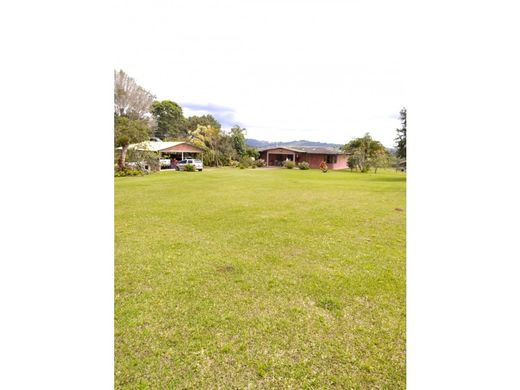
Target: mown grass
point(265, 278)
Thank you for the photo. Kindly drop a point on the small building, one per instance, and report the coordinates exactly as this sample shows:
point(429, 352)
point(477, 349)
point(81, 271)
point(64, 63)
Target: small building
point(275, 156)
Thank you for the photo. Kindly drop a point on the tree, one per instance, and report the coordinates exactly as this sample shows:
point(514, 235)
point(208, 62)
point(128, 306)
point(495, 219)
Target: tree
point(364, 152)
point(169, 119)
point(353, 162)
point(401, 136)
point(130, 99)
point(207, 138)
point(239, 140)
point(131, 112)
point(128, 131)
point(205, 120)
point(381, 159)
point(226, 150)
point(252, 152)
point(217, 145)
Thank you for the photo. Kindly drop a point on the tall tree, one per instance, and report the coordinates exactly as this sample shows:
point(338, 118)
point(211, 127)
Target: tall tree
point(130, 99)
point(207, 138)
point(205, 120)
point(169, 119)
point(128, 131)
point(381, 159)
point(401, 136)
point(239, 140)
point(365, 152)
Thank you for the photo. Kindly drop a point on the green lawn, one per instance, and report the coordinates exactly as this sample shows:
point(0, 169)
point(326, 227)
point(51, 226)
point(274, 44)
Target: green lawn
point(260, 278)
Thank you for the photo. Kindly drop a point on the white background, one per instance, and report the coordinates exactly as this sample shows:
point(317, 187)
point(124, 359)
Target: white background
point(287, 70)
point(461, 84)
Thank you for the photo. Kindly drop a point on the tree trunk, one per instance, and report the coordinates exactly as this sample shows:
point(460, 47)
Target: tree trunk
point(122, 158)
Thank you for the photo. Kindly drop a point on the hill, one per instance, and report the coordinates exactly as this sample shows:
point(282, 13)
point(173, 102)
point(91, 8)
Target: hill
point(264, 144)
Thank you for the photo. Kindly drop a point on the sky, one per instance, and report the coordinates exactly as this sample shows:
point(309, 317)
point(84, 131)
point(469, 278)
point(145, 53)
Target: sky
point(285, 70)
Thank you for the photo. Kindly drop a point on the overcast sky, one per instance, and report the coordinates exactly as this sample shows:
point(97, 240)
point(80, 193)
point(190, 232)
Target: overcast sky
point(285, 70)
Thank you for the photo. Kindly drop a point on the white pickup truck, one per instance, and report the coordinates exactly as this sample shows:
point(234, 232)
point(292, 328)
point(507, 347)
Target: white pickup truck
point(196, 163)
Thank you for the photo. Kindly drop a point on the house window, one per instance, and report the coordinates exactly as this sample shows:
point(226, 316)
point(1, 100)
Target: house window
point(332, 159)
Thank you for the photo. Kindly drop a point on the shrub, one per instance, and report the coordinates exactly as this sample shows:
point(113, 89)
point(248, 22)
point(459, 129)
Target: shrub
point(323, 166)
point(241, 166)
point(144, 158)
point(189, 168)
point(234, 163)
point(253, 166)
point(129, 172)
point(260, 163)
point(246, 161)
point(303, 165)
point(288, 164)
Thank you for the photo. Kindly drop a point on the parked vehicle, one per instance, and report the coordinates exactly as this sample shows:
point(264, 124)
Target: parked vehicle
point(196, 163)
point(137, 165)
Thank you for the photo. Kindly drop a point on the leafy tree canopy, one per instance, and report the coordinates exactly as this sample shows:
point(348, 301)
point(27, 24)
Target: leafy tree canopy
point(239, 140)
point(365, 153)
point(170, 121)
point(205, 120)
point(128, 131)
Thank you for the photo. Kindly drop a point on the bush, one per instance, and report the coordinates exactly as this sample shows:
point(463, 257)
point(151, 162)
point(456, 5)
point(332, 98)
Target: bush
point(324, 167)
point(289, 164)
point(241, 166)
point(129, 172)
point(144, 158)
point(189, 168)
point(259, 163)
point(303, 165)
point(234, 163)
point(246, 161)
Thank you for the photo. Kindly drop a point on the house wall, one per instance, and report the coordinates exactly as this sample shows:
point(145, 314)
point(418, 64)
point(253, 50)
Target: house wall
point(315, 160)
point(341, 162)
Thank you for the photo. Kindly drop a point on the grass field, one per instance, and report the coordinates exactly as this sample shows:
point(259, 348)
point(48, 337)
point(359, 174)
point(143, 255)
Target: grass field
point(264, 278)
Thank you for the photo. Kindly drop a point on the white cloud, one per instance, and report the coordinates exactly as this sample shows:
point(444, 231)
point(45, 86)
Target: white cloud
point(319, 70)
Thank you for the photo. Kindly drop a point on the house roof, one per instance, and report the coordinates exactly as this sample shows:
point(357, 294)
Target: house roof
point(153, 146)
point(163, 146)
point(280, 147)
point(186, 147)
point(321, 150)
point(306, 149)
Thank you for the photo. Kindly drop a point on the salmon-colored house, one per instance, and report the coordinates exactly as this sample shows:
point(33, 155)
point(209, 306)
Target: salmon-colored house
point(275, 157)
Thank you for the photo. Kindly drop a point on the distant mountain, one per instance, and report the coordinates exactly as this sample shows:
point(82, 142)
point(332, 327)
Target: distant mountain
point(264, 144)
